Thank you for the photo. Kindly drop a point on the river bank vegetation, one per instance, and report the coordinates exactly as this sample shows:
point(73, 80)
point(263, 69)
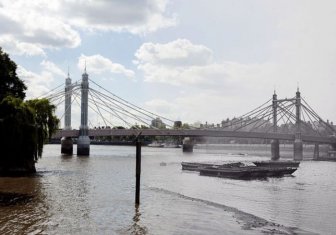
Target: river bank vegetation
point(25, 125)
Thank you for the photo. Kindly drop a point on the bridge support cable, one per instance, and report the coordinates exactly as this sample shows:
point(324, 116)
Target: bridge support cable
point(68, 106)
point(120, 110)
point(318, 119)
point(258, 113)
point(293, 117)
point(45, 95)
point(281, 115)
point(120, 107)
point(264, 122)
point(265, 114)
point(109, 112)
point(313, 127)
point(284, 111)
point(90, 93)
point(130, 104)
point(250, 113)
point(267, 121)
point(257, 119)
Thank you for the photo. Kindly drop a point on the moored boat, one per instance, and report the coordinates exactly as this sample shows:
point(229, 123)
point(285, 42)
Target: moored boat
point(197, 166)
point(277, 163)
point(248, 172)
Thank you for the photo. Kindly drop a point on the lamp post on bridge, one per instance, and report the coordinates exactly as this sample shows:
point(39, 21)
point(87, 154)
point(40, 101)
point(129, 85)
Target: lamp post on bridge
point(275, 150)
point(83, 141)
point(67, 142)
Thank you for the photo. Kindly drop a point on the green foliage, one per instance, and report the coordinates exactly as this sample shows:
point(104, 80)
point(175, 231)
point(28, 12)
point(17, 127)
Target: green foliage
point(18, 136)
point(24, 125)
point(185, 126)
point(10, 84)
point(24, 128)
point(45, 120)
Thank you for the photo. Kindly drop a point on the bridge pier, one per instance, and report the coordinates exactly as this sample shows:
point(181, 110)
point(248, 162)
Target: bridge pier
point(83, 146)
point(187, 145)
point(316, 151)
point(67, 146)
point(275, 150)
point(298, 150)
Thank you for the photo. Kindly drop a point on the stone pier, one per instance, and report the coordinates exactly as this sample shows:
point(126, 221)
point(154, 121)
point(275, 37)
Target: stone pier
point(275, 150)
point(298, 150)
point(187, 145)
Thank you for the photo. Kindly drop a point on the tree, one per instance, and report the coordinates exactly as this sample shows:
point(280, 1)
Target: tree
point(24, 125)
point(45, 120)
point(10, 84)
point(18, 136)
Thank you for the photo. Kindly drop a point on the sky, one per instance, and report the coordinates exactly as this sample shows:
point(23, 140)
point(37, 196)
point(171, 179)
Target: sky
point(189, 60)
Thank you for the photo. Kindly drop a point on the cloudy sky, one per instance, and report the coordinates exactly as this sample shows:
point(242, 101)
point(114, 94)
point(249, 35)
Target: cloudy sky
point(191, 60)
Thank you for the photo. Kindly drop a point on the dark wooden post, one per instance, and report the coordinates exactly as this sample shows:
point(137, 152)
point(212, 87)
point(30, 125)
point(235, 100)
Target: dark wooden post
point(137, 171)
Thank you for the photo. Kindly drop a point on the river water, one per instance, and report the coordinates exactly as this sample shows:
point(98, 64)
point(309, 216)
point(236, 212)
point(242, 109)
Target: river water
point(95, 195)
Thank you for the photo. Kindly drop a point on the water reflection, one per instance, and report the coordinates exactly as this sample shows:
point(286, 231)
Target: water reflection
point(22, 205)
point(136, 227)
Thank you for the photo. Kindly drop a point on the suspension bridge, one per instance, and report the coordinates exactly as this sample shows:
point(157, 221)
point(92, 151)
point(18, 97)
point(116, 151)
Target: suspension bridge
point(289, 119)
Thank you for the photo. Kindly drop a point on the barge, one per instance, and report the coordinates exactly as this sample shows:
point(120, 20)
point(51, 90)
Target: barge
point(197, 166)
point(277, 163)
point(239, 170)
point(247, 172)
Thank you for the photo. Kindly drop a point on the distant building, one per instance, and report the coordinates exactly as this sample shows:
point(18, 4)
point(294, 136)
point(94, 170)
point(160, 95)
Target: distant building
point(158, 123)
point(177, 124)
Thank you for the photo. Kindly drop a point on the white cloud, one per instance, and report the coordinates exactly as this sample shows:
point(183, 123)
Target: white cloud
point(20, 48)
point(182, 63)
point(136, 16)
point(53, 68)
point(31, 27)
point(37, 84)
point(98, 64)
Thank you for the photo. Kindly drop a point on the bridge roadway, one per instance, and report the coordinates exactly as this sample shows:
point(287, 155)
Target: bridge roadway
point(194, 133)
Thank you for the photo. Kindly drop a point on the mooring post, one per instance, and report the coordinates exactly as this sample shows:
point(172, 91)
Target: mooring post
point(137, 171)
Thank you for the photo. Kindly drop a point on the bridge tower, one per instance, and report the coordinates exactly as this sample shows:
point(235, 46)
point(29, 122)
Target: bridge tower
point(66, 142)
point(275, 150)
point(298, 146)
point(83, 142)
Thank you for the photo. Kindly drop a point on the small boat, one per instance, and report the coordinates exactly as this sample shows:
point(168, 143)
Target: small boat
point(155, 145)
point(248, 172)
point(171, 145)
point(277, 163)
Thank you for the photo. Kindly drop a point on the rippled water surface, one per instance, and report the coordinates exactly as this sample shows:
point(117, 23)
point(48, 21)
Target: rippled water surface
point(95, 195)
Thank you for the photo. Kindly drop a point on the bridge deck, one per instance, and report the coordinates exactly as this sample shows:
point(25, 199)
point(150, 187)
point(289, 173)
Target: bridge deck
point(194, 133)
